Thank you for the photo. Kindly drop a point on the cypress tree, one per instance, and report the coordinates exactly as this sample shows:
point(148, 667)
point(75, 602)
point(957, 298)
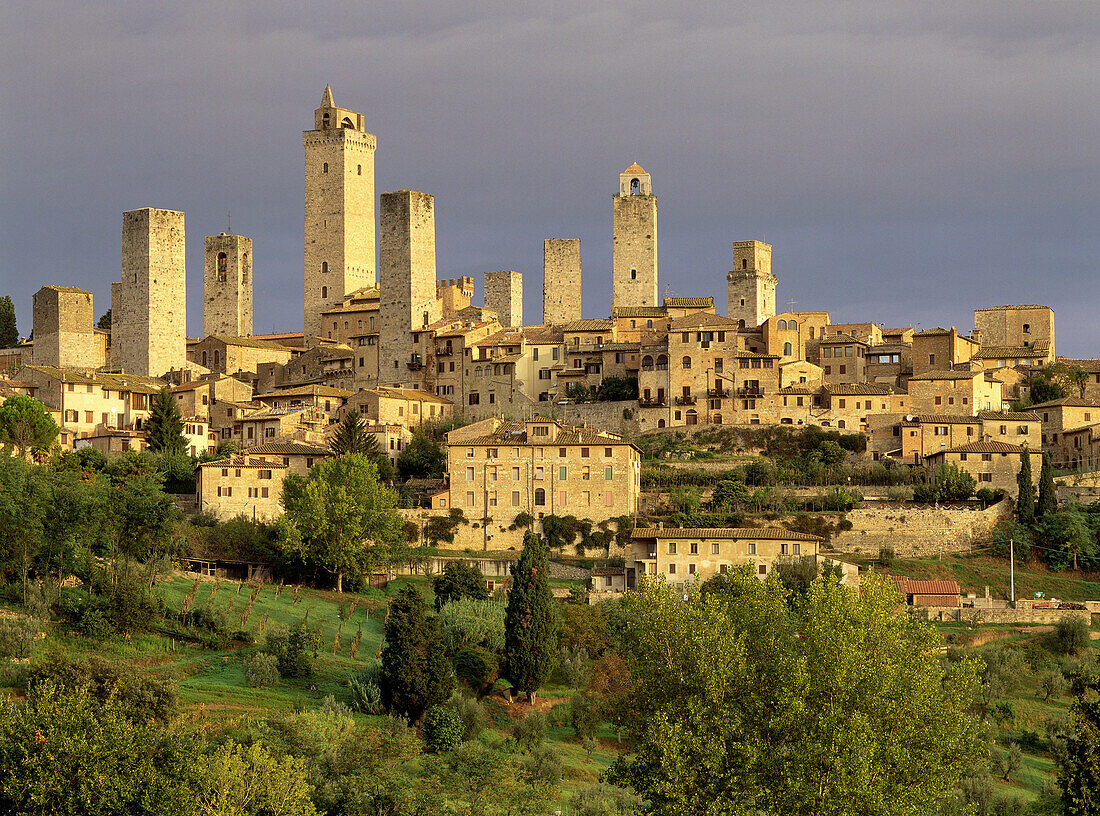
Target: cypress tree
point(1025, 501)
point(1047, 504)
point(416, 673)
point(9, 332)
point(529, 619)
point(164, 430)
point(351, 436)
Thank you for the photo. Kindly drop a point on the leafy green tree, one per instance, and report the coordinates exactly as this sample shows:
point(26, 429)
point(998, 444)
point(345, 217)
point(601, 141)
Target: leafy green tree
point(423, 458)
point(1047, 502)
point(841, 707)
point(953, 484)
point(9, 332)
point(1079, 765)
point(416, 673)
point(164, 428)
point(26, 425)
point(351, 436)
point(142, 523)
point(238, 780)
point(459, 580)
point(729, 494)
point(24, 493)
point(340, 518)
point(1025, 501)
point(529, 619)
point(615, 389)
point(104, 321)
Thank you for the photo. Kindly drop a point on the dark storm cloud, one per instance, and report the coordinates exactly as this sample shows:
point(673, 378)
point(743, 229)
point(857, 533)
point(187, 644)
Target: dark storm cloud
point(908, 161)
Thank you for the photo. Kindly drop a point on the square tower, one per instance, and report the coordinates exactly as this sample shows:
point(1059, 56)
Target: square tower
point(751, 284)
point(339, 209)
point(504, 295)
point(561, 280)
point(63, 328)
point(634, 254)
point(149, 325)
point(408, 285)
point(227, 286)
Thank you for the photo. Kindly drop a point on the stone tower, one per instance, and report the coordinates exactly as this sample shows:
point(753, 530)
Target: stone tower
point(227, 286)
point(634, 255)
point(63, 333)
point(339, 211)
point(751, 284)
point(408, 299)
point(504, 295)
point(149, 324)
point(561, 280)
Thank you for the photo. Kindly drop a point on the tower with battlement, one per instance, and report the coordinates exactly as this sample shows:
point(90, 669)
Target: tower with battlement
point(561, 280)
point(408, 284)
point(751, 284)
point(634, 252)
point(149, 319)
point(227, 286)
point(339, 209)
point(504, 295)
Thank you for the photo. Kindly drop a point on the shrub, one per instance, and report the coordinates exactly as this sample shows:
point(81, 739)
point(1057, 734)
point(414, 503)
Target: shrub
point(584, 716)
point(295, 649)
point(544, 765)
point(602, 799)
point(366, 694)
point(886, 555)
point(473, 623)
point(86, 612)
point(924, 493)
point(530, 732)
point(901, 493)
point(18, 636)
point(477, 668)
point(573, 666)
point(472, 713)
point(443, 729)
point(1071, 636)
point(140, 696)
point(261, 670)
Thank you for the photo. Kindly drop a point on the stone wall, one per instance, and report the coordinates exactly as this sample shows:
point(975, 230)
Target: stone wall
point(634, 251)
point(750, 284)
point(604, 415)
point(63, 328)
point(227, 286)
point(473, 535)
point(504, 295)
point(561, 280)
point(915, 531)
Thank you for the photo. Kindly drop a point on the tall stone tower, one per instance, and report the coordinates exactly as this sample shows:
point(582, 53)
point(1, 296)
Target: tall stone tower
point(227, 286)
point(504, 295)
point(634, 255)
point(339, 212)
point(751, 284)
point(561, 280)
point(149, 324)
point(408, 299)
point(63, 333)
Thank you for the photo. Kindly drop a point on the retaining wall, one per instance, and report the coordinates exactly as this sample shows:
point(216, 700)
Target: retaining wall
point(918, 530)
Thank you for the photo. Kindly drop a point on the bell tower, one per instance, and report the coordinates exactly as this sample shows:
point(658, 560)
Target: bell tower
point(634, 254)
point(751, 284)
point(339, 209)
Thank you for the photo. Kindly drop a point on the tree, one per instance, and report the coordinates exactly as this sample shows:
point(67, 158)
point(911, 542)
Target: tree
point(9, 331)
point(1025, 501)
point(26, 425)
point(416, 673)
point(529, 619)
point(104, 321)
point(340, 518)
point(23, 505)
point(1079, 765)
point(164, 428)
point(351, 436)
point(245, 780)
point(953, 484)
point(423, 458)
point(729, 494)
point(459, 580)
point(841, 707)
point(1047, 502)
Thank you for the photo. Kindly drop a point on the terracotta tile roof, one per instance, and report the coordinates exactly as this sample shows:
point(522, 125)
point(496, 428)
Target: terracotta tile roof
point(249, 342)
point(639, 311)
point(757, 533)
point(701, 320)
point(986, 447)
point(73, 289)
point(243, 461)
point(1011, 416)
point(946, 374)
point(834, 339)
point(1012, 352)
point(515, 433)
point(799, 390)
point(859, 390)
point(634, 168)
point(941, 419)
point(306, 391)
point(287, 448)
point(408, 394)
point(1066, 402)
point(542, 335)
point(593, 324)
point(688, 302)
point(907, 586)
point(758, 355)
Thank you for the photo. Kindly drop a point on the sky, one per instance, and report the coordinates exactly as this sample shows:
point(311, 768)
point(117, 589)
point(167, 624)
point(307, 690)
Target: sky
point(908, 162)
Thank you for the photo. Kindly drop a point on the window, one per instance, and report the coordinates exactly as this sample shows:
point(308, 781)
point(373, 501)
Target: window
point(469, 498)
point(752, 548)
point(634, 274)
point(561, 451)
point(608, 473)
point(540, 496)
point(672, 548)
point(931, 359)
point(1022, 430)
point(469, 474)
point(987, 457)
point(539, 473)
point(787, 349)
point(985, 477)
point(264, 474)
point(671, 569)
point(783, 548)
point(686, 362)
point(515, 498)
point(324, 167)
point(515, 474)
point(475, 398)
point(562, 473)
point(1027, 328)
point(225, 491)
point(324, 294)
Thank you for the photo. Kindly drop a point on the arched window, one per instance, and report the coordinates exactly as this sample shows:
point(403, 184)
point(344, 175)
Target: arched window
point(223, 267)
point(660, 423)
point(647, 363)
point(540, 496)
point(324, 266)
point(325, 121)
point(662, 362)
point(347, 123)
point(741, 323)
point(324, 291)
point(216, 358)
point(635, 187)
point(787, 350)
point(204, 359)
point(324, 167)
point(649, 324)
point(792, 325)
point(686, 362)
point(477, 371)
point(782, 325)
point(840, 423)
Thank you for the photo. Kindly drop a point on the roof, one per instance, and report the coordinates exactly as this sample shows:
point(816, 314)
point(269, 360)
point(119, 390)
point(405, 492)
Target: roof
point(242, 460)
point(941, 419)
point(72, 289)
point(907, 586)
point(1066, 402)
point(1026, 306)
point(688, 302)
point(515, 433)
point(756, 355)
point(1012, 416)
point(288, 448)
point(947, 374)
point(932, 332)
point(758, 533)
point(1003, 352)
point(859, 390)
point(639, 311)
point(542, 335)
point(249, 342)
point(634, 168)
point(702, 319)
point(409, 394)
point(306, 391)
point(840, 338)
point(594, 324)
point(987, 447)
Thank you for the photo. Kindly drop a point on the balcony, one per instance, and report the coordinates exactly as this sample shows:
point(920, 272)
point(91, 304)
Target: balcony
point(718, 392)
point(415, 364)
point(443, 351)
point(685, 400)
point(650, 402)
point(753, 391)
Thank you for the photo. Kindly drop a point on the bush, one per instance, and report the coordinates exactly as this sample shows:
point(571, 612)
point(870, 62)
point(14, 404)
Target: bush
point(530, 732)
point(1071, 636)
point(86, 612)
point(544, 765)
point(443, 729)
point(900, 493)
point(584, 716)
point(294, 649)
point(602, 799)
point(140, 696)
point(18, 636)
point(924, 493)
point(886, 555)
point(477, 668)
point(261, 670)
point(573, 666)
point(470, 622)
point(366, 693)
point(472, 713)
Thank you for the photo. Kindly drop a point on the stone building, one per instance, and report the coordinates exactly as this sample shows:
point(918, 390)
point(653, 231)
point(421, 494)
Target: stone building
point(750, 284)
point(634, 240)
point(843, 359)
point(64, 333)
point(400, 406)
point(561, 280)
point(409, 305)
point(1015, 330)
point(354, 322)
point(953, 392)
point(939, 349)
point(1065, 414)
point(504, 295)
point(993, 464)
point(232, 355)
point(149, 304)
point(454, 295)
point(246, 485)
point(227, 286)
